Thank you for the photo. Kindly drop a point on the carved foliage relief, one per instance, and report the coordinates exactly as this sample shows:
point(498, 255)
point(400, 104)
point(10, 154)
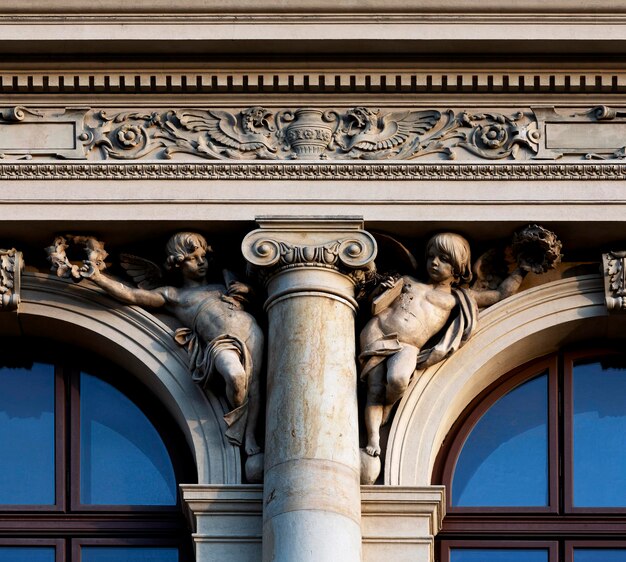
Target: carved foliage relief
point(308, 133)
point(311, 134)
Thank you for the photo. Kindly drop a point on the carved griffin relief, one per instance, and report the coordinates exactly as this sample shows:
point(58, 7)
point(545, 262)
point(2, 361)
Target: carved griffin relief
point(309, 133)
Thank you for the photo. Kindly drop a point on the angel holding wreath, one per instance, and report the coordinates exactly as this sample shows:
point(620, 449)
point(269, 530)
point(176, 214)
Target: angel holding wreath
point(417, 324)
point(221, 337)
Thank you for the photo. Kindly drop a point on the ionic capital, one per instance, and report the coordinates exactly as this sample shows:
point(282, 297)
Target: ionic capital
point(284, 242)
point(296, 254)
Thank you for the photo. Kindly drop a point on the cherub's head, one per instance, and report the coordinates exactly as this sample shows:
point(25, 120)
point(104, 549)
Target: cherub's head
point(187, 251)
point(455, 250)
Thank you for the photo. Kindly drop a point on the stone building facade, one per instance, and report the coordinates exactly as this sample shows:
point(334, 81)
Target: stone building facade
point(317, 148)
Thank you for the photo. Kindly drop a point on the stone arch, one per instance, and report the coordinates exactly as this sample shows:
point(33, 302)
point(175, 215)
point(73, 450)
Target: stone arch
point(531, 324)
point(144, 346)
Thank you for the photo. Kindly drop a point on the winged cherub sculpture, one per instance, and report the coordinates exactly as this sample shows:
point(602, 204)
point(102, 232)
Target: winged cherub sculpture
point(417, 324)
point(221, 337)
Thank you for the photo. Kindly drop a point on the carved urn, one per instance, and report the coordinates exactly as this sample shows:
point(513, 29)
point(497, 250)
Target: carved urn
point(310, 132)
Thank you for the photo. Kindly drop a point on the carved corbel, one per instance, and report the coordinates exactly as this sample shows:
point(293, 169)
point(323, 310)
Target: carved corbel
point(614, 272)
point(11, 266)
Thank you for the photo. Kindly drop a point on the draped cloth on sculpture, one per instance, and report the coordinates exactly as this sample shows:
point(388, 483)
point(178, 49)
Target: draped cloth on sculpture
point(454, 336)
point(202, 365)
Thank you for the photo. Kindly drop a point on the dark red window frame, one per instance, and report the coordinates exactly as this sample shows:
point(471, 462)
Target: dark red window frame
point(561, 523)
point(67, 524)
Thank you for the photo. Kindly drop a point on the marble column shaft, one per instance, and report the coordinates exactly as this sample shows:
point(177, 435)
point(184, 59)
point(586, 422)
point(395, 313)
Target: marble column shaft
point(311, 508)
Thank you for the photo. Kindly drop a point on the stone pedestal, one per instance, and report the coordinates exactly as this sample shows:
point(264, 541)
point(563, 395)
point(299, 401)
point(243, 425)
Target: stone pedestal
point(311, 506)
point(398, 523)
point(226, 521)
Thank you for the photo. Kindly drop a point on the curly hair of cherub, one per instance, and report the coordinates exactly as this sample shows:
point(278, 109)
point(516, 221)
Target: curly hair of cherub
point(181, 245)
point(458, 249)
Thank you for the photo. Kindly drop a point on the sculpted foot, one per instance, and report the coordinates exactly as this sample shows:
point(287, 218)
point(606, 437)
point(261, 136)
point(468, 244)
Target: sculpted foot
point(370, 467)
point(373, 450)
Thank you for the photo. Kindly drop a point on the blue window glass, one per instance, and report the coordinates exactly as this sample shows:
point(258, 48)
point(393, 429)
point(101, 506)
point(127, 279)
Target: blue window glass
point(600, 555)
point(123, 459)
point(599, 429)
point(499, 555)
point(128, 554)
point(27, 435)
point(27, 554)
point(504, 461)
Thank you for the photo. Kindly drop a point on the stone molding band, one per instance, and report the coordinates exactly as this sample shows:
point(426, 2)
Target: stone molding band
point(333, 496)
point(396, 82)
point(298, 292)
point(392, 171)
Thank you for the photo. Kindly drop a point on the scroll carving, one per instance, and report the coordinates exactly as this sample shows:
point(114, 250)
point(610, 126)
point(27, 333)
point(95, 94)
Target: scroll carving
point(11, 266)
point(310, 133)
point(614, 272)
point(347, 252)
point(357, 133)
point(272, 249)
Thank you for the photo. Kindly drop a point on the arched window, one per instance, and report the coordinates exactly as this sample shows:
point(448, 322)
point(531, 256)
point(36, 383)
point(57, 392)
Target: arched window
point(90, 462)
point(535, 469)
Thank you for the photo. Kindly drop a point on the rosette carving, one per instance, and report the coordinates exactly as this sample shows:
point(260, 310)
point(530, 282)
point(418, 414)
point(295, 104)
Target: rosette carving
point(309, 133)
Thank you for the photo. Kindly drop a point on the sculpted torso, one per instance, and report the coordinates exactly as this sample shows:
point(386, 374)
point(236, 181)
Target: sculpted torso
point(204, 310)
point(419, 312)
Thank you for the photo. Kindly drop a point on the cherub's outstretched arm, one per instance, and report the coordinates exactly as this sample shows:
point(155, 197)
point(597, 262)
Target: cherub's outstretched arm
point(129, 295)
point(508, 287)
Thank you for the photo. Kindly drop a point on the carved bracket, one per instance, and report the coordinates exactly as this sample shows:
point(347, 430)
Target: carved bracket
point(11, 266)
point(614, 272)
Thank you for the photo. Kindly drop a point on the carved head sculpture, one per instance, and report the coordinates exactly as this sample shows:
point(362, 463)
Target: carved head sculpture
point(458, 251)
point(182, 245)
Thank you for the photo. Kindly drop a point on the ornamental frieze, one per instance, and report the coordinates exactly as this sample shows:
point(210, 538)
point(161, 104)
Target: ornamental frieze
point(340, 171)
point(313, 134)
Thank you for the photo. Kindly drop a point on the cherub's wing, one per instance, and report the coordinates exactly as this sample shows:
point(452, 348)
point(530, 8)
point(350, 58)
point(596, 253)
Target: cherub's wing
point(395, 129)
point(490, 269)
point(221, 127)
point(146, 274)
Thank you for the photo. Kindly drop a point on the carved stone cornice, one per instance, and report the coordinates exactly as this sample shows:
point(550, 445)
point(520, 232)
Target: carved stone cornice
point(614, 273)
point(11, 266)
point(337, 171)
